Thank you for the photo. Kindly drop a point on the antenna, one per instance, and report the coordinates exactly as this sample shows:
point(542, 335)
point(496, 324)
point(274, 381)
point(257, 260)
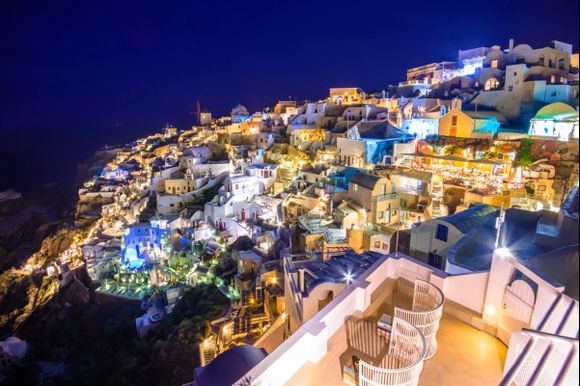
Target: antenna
point(498, 223)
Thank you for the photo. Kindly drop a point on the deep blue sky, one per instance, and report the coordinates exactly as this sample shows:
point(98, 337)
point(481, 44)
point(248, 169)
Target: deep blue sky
point(78, 74)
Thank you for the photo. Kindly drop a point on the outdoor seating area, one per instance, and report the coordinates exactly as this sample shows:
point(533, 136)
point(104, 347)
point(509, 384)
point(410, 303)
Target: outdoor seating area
point(392, 358)
point(390, 349)
point(466, 355)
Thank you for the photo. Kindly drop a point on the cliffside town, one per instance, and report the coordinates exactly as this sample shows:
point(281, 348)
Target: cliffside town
point(190, 243)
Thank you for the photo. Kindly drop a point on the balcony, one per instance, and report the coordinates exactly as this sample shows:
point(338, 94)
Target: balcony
point(342, 344)
point(385, 197)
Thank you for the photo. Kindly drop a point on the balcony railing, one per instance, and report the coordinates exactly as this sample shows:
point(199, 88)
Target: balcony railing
point(385, 197)
point(403, 362)
point(426, 310)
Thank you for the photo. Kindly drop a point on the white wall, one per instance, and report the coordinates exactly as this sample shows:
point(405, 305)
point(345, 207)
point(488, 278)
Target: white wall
point(467, 290)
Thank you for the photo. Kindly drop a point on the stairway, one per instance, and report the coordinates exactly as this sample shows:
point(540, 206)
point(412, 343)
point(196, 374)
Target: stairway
point(541, 359)
point(561, 317)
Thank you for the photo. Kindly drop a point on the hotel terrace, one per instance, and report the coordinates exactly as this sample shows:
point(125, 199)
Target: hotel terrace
point(402, 322)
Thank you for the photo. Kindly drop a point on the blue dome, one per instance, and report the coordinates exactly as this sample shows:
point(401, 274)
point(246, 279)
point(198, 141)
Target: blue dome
point(229, 366)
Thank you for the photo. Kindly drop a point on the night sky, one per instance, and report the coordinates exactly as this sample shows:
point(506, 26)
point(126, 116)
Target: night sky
point(76, 75)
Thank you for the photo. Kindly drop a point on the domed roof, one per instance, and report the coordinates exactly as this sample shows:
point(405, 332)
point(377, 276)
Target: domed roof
point(229, 366)
point(522, 49)
point(557, 110)
point(240, 110)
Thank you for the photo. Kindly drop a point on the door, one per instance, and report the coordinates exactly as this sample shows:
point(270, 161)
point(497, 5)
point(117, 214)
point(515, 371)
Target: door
point(518, 305)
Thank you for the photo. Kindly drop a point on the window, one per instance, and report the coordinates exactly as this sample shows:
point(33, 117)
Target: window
point(561, 64)
point(553, 79)
point(435, 260)
point(515, 73)
point(494, 63)
point(381, 214)
point(511, 88)
point(454, 120)
point(442, 232)
point(377, 244)
point(491, 84)
point(541, 61)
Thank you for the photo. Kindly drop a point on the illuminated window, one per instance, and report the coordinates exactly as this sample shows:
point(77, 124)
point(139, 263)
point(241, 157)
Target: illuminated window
point(491, 84)
point(442, 232)
point(553, 79)
point(494, 63)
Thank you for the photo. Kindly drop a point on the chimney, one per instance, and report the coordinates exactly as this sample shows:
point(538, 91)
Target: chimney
point(511, 45)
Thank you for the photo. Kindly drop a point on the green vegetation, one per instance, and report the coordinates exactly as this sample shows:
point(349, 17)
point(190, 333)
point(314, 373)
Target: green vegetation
point(98, 344)
point(524, 157)
point(171, 353)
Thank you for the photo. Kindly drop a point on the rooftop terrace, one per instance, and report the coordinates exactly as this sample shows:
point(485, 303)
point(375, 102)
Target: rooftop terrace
point(466, 356)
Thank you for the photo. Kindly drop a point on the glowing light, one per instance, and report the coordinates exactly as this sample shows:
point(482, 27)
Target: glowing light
point(348, 277)
point(490, 310)
point(502, 252)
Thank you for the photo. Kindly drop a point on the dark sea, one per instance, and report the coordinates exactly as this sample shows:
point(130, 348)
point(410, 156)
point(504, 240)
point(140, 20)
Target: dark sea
point(32, 158)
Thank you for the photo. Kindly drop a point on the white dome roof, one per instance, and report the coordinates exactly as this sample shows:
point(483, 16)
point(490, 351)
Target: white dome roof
point(240, 110)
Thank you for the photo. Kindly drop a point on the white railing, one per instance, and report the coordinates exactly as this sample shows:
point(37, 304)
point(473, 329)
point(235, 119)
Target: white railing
point(426, 310)
point(404, 360)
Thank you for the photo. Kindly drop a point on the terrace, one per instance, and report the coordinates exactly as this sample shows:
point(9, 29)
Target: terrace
point(398, 356)
point(391, 327)
point(465, 356)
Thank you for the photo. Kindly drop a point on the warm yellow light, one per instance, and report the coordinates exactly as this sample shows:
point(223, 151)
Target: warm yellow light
point(490, 310)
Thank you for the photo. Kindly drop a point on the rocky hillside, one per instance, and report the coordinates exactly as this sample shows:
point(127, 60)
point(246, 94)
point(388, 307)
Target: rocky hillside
point(75, 335)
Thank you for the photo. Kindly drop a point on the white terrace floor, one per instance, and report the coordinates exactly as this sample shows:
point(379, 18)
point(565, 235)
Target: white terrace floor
point(465, 356)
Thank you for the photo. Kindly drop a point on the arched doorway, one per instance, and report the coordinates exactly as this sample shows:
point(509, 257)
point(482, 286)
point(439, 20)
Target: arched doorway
point(518, 305)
